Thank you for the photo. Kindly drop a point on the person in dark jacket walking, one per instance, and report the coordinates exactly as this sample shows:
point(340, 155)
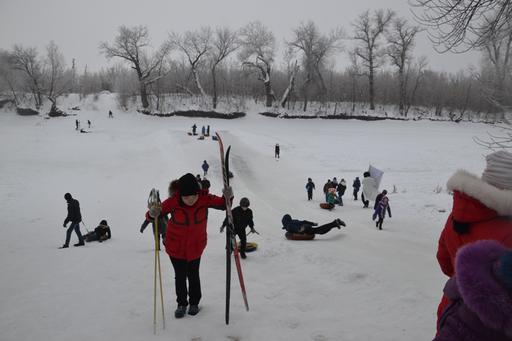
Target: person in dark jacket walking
point(307, 227)
point(194, 127)
point(100, 233)
point(356, 185)
point(277, 150)
point(341, 188)
point(481, 295)
point(242, 217)
point(327, 185)
point(186, 238)
point(205, 167)
point(75, 217)
point(110, 114)
point(310, 186)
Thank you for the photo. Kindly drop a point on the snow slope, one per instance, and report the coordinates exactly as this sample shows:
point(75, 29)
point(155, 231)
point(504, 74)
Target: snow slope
point(353, 284)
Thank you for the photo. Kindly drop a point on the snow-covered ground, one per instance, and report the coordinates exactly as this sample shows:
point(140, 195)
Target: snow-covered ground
point(355, 284)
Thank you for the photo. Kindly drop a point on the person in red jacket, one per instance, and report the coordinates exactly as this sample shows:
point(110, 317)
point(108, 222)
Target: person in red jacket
point(482, 209)
point(185, 238)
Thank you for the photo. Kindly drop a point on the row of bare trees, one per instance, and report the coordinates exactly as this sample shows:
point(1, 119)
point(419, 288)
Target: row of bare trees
point(212, 62)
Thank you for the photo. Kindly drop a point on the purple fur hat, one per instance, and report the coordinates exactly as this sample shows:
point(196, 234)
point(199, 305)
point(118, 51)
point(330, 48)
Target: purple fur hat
point(484, 278)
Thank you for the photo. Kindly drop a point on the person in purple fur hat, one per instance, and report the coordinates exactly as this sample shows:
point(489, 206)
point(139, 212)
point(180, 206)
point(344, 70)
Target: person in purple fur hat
point(480, 295)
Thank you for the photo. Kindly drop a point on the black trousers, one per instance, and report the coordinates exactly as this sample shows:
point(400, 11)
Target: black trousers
point(187, 270)
point(310, 195)
point(355, 193)
point(243, 239)
point(365, 202)
point(323, 229)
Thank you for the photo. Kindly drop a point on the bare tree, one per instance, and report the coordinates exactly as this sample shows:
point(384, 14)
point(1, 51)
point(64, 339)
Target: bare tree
point(498, 51)
point(54, 73)
point(195, 45)
point(367, 31)
point(27, 61)
point(257, 52)
point(419, 72)
point(130, 45)
point(315, 48)
point(224, 43)
point(401, 42)
point(462, 24)
point(8, 74)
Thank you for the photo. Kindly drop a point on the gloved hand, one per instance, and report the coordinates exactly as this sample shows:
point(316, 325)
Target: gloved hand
point(227, 192)
point(64, 225)
point(155, 210)
point(221, 229)
point(254, 231)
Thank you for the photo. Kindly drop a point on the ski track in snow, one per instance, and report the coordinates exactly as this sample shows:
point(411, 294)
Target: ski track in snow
point(356, 283)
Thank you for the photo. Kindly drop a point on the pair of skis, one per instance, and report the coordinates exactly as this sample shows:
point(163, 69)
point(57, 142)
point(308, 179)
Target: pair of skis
point(231, 244)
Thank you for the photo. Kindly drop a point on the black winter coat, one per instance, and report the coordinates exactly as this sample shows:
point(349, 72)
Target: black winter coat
point(241, 219)
point(74, 215)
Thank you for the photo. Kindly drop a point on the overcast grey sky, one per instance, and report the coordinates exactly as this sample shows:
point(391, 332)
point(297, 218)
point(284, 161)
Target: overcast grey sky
point(77, 27)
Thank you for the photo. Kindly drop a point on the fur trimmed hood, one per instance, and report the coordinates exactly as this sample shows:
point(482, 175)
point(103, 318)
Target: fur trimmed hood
point(492, 197)
point(480, 287)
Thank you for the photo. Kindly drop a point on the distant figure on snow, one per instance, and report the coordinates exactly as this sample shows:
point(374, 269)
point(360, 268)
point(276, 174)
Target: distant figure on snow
point(327, 185)
point(380, 208)
point(110, 114)
point(100, 233)
point(75, 217)
point(194, 127)
point(205, 167)
point(89, 123)
point(208, 130)
point(307, 227)
point(77, 124)
point(356, 185)
point(310, 186)
point(277, 151)
point(203, 131)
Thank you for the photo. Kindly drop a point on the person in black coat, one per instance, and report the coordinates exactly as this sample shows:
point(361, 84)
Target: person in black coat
point(310, 186)
point(342, 186)
point(357, 186)
point(75, 217)
point(277, 150)
point(242, 217)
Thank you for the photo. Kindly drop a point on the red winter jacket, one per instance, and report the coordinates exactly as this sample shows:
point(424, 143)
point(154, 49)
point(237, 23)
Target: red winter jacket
point(185, 237)
point(485, 210)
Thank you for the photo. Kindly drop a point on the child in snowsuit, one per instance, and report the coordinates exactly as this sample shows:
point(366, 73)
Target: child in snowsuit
point(480, 295)
point(331, 198)
point(357, 185)
point(310, 186)
point(185, 238)
point(242, 217)
point(380, 207)
point(100, 233)
point(342, 186)
point(205, 167)
point(306, 227)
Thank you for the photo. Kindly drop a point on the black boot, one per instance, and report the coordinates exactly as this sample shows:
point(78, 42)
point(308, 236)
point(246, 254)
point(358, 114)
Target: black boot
point(180, 311)
point(79, 244)
point(65, 246)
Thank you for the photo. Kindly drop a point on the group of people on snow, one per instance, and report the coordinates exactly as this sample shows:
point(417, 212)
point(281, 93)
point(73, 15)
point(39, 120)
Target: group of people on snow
point(205, 131)
point(334, 191)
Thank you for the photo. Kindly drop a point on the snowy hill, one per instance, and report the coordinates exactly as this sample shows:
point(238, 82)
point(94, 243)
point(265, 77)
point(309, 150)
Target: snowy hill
point(355, 284)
